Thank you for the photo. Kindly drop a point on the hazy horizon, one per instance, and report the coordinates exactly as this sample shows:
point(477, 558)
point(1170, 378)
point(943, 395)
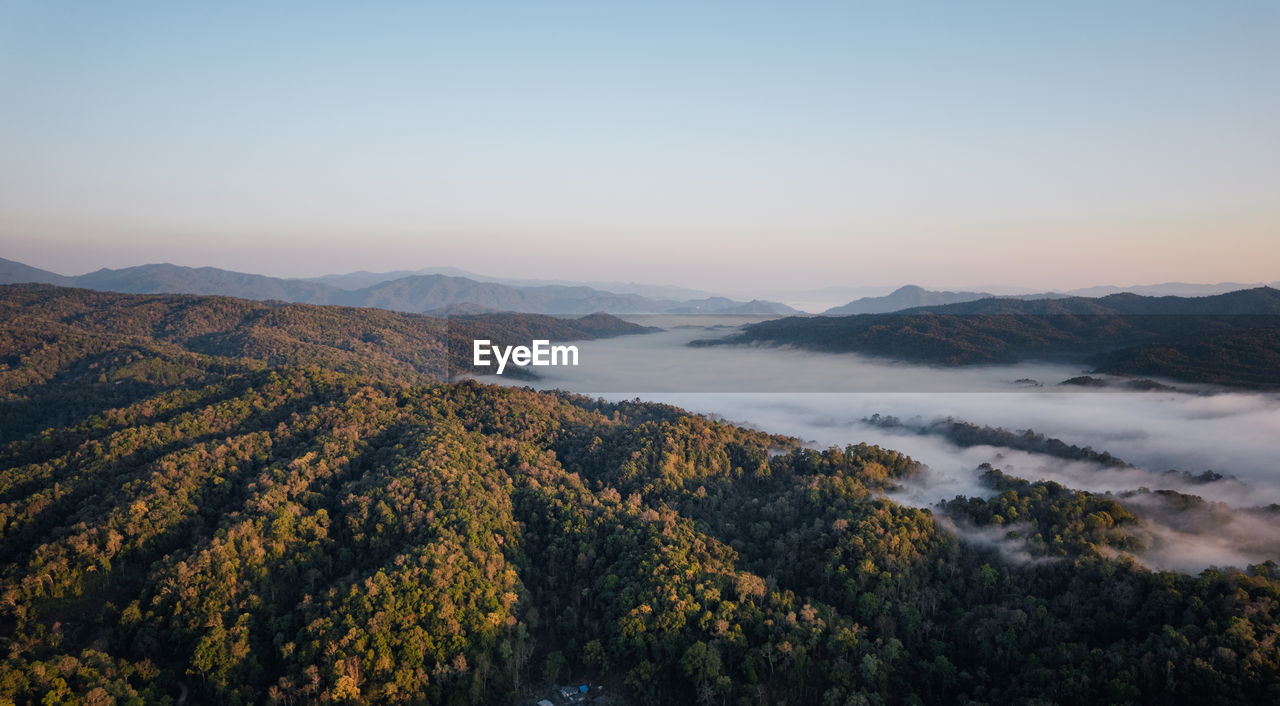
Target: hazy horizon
point(1046, 147)
point(858, 289)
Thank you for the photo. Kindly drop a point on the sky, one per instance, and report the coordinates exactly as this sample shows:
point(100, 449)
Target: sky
point(710, 144)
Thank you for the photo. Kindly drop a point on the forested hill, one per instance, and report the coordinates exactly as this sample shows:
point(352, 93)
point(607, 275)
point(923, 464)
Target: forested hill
point(1248, 358)
point(97, 349)
point(307, 536)
point(1077, 328)
point(261, 530)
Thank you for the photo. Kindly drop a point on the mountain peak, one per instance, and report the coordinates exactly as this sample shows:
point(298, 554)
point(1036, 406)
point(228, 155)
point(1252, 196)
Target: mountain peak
point(905, 297)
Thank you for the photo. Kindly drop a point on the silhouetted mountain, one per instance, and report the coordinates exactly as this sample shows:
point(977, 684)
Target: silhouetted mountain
point(174, 279)
point(415, 293)
point(903, 298)
point(362, 279)
point(12, 272)
point(1177, 289)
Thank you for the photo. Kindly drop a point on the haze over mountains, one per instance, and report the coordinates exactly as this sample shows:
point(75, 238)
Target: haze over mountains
point(452, 291)
point(414, 293)
point(909, 297)
point(1258, 301)
point(364, 278)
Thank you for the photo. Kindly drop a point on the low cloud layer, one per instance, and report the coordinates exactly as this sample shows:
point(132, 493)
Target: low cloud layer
point(1231, 433)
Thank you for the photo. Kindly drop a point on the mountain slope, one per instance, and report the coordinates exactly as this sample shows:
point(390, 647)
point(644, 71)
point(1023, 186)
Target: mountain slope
point(58, 341)
point(418, 293)
point(12, 272)
point(1249, 358)
point(174, 279)
point(299, 535)
point(1008, 330)
point(413, 293)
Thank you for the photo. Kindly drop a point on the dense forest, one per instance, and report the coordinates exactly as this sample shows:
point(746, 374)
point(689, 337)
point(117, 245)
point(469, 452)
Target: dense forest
point(73, 351)
point(297, 512)
point(1228, 339)
point(1248, 358)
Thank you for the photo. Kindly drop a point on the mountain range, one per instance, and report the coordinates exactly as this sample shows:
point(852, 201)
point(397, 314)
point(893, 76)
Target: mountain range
point(450, 291)
point(397, 291)
point(912, 296)
point(903, 298)
point(1226, 339)
point(1259, 301)
point(364, 278)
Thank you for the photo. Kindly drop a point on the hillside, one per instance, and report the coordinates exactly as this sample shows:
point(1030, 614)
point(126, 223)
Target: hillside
point(54, 341)
point(992, 331)
point(1249, 358)
point(245, 533)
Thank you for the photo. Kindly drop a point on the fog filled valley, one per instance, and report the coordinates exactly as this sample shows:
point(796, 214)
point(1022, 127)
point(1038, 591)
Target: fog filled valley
point(1238, 443)
point(1160, 440)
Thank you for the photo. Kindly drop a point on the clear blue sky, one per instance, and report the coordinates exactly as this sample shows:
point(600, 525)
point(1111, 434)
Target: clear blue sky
point(1041, 144)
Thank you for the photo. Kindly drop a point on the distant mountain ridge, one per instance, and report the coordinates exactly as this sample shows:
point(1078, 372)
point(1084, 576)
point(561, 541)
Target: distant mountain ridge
point(1177, 289)
point(912, 296)
point(453, 291)
point(903, 298)
point(1260, 301)
point(1226, 338)
point(412, 293)
point(12, 272)
point(173, 279)
point(364, 278)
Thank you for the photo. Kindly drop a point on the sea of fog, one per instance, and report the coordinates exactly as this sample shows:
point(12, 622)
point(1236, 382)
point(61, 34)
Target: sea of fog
point(824, 398)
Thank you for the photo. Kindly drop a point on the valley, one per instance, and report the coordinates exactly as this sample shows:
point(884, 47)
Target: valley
point(249, 501)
